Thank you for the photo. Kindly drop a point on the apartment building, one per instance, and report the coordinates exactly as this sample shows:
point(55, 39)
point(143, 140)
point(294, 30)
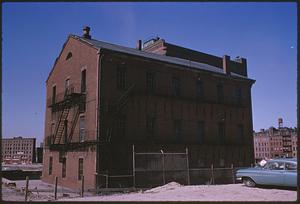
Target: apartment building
point(275, 142)
point(18, 150)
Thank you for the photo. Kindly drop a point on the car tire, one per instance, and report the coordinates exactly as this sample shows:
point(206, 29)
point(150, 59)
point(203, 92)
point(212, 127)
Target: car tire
point(249, 182)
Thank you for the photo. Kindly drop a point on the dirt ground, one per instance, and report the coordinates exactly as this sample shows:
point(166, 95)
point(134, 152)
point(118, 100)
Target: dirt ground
point(169, 192)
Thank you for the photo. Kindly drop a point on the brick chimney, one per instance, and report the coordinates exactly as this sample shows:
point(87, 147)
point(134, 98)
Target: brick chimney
point(139, 45)
point(86, 32)
point(226, 64)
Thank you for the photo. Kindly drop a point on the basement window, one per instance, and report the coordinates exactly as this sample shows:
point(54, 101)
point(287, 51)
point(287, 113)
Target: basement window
point(69, 55)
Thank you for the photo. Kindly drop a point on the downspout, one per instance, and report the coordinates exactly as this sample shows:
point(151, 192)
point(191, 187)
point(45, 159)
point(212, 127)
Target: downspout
point(98, 116)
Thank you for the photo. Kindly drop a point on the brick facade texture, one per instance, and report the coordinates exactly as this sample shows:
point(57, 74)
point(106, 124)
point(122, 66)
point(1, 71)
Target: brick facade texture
point(131, 127)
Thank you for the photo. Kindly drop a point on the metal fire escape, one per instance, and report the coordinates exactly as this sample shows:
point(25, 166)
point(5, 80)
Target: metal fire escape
point(71, 99)
point(116, 108)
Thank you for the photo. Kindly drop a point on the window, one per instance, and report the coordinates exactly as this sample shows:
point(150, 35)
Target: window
point(240, 133)
point(83, 81)
point(275, 166)
point(176, 86)
point(69, 55)
point(221, 132)
point(220, 92)
point(178, 129)
point(121, 126)
point(65, 130)
point(64, 168)
point(150, 124)
point(81, 128)
point(80, 168)
point(53, 94)
point(67, 86)
point(200, 90)
point(238, 95)
point(50, 165)
point(121, 78)
point(150, 83)
point(201, 132)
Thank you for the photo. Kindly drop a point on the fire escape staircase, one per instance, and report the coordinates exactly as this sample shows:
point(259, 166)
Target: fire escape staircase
point(76, 100)
point(116, 109)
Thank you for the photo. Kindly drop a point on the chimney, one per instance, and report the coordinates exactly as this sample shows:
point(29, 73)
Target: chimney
point(226, 63)
point(86, 32)
point(139, 45)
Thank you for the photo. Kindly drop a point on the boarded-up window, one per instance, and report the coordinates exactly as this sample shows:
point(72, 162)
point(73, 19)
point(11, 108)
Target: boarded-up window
point(240, 133)
point(53, 94)
point(150, 123)
point(200, 132)
point(199, 89)
point(176, 86)
point(83, 81)
point(221, 132)
point(80, 168)
point(50, 165)
point(220, 92)
point(64, 168)
point(150, 83)
point(178, 129)
point(121, 78)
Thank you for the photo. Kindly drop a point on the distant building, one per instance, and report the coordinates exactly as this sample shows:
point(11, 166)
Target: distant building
point(275, 142)
point(18, 150)
point(39, 153)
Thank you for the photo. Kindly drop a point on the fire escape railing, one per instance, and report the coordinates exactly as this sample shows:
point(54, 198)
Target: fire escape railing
point(72, 97)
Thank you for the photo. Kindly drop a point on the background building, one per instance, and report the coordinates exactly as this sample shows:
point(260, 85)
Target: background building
point(39, 153)
point(273, 143)
point(103, 98)
point(18, 150)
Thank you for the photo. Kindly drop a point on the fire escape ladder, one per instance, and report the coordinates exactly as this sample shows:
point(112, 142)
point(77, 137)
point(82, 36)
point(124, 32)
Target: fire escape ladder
point(117, 107)
point(61, 126)
point(74, 122)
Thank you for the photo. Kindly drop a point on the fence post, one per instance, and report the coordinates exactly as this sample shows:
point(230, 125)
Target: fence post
point(106, 180)
point(26, 188)
point(55, 188)
point(233, 176)
point(82, 186)
point(133, 165)
point(163, 166)
point(212, 174)
point(187, 163)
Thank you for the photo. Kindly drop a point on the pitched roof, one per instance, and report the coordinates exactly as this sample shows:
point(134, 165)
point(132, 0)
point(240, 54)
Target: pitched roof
point(174, 60)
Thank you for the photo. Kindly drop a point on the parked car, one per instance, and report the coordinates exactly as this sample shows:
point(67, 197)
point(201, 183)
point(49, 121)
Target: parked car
point(276, 172)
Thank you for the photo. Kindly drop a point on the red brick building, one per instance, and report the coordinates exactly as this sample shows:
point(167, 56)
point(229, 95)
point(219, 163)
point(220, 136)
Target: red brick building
point(103, 98)
point(18, 150)
point(275, 142)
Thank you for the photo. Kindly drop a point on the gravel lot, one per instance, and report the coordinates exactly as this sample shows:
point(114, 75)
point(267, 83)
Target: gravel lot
point(175, 192)
point(169, 192)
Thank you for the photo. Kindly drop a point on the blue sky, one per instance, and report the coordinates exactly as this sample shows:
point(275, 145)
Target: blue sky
point(264, 33)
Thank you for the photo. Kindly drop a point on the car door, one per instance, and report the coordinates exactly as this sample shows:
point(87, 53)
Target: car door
point(273, 173)
point(290, 174)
